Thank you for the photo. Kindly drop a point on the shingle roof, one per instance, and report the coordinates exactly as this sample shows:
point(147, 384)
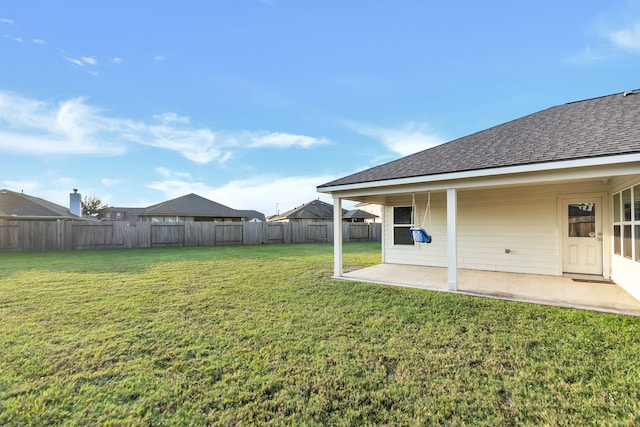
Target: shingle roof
point(20, 206)
point(314, 209)
point(251, 214)
point(604, 126)
point(359, 213)
point(191, 205)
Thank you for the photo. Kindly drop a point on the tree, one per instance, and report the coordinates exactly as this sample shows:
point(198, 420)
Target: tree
point(91, 206)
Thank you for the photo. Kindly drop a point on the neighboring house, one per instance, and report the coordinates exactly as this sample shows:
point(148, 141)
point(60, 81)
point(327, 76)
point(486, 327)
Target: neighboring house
point(313, 211)
point(252, 216)
point(120, 214)
point(552, 193)
point(372, 208)
point(358, 215)
point(22, 207)
point(182, 209)
point(319, 211)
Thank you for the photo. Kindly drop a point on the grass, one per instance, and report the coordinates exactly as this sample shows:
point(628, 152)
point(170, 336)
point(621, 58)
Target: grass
point(262, 335)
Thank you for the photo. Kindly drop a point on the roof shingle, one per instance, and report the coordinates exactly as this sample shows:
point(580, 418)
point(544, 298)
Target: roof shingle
point(604, 126)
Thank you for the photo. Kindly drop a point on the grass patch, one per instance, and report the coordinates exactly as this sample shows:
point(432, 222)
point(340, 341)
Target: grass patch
point(262, 335)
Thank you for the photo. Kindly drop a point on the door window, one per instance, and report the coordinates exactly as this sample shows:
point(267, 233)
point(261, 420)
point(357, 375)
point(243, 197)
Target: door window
point(582, 220)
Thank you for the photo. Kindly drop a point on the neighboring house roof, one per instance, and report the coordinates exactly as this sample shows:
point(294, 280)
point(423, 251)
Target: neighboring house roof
point(359, 213)
point(314, 209)
point(593, 128)
point(20, 206)
point(250, 214)
point(191, 205)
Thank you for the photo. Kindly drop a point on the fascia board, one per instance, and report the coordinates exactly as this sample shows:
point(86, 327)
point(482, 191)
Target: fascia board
point(471, 178)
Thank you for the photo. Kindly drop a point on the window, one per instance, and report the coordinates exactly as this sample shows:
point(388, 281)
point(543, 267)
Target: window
point(626, 223)
point(401, 225)
point(582, 220)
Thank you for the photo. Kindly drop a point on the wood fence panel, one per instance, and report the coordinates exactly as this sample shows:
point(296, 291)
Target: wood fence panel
point(375, 234)
point(143, 234)
point(316, 232)
point(297, 232)
point(330, 232)
point(95, 236)
point(129, 233)
point(358, 232)
point(70, 235)
point(253, 233)
point(200, 234)
point(9, 236)
point(167, 234)
point(276, 232)
point(229, 233)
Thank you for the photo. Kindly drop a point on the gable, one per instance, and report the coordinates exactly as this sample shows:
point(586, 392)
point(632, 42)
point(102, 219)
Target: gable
point(191, 205)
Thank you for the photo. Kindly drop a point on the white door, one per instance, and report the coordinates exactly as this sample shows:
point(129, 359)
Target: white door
point(582, 236)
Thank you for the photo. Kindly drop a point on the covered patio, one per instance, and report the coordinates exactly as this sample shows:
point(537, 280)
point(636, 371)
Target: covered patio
point(575, 291)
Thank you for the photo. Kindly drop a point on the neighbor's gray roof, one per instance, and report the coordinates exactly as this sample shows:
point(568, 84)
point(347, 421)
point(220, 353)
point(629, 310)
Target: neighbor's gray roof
point(22, 206)
point(314, 209)
point(251, 214)
point(359, 213)
point(191, 205)
point(605, 126)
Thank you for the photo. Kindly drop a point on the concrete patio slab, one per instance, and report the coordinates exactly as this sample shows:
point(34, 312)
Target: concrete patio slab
point(587, 293)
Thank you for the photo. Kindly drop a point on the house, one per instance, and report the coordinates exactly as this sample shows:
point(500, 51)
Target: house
point(319, 211)
point(313, 211)
point(22, 207)
point(252, 216)
point(359, 215)
point(553, 193)
point(190, 207)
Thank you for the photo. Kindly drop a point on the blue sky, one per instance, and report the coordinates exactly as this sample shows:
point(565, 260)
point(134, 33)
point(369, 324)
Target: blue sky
point(254, 103)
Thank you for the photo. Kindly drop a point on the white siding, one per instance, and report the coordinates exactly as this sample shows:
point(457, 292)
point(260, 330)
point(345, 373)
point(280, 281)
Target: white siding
point(626, 273)
point(434, 253)
point(523, 220)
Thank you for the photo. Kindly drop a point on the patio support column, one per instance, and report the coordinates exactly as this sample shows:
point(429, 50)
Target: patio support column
point(452, 238)
point(337, 237)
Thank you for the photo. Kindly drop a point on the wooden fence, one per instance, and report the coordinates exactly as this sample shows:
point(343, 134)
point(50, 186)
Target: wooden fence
point(77, 235)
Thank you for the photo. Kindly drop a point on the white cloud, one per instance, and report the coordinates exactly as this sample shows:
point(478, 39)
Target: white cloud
point(626, 38)
point(409, 139)
point(40, 128)
point(82, 61)
point(116, 60)
point(18, 39)
point(7, 21)
point(74, 61)
point(284, 140)
point(40, 41)
point(89, 60)
point(168, 173)
point(262, 193)
point(108, 182)
point(74, 127)
point(587, 55)
point(160, 58)
point(171, 118)
point(26, 186)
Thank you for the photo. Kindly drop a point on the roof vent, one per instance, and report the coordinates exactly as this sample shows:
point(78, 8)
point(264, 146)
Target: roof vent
point(630, 92)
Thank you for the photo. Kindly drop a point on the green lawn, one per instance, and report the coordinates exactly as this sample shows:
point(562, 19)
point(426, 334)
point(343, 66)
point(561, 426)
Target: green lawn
point(262, 335)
